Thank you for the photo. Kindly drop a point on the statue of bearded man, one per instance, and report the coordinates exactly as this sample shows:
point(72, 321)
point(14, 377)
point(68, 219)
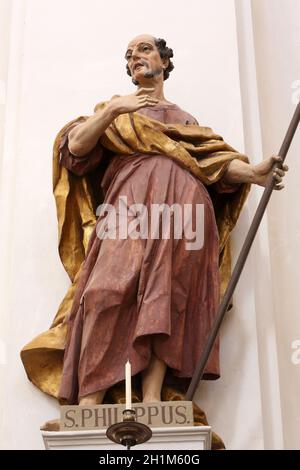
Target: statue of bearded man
point(151, 300)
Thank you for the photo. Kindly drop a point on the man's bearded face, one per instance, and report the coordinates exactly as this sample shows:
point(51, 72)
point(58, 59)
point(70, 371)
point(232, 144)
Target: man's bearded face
point(143, 58)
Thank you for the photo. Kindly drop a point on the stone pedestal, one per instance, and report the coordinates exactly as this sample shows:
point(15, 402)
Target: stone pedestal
point(163, 438)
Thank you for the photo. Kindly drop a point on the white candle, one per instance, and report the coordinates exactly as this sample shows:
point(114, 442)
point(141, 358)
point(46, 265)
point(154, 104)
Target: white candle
point(128, 384)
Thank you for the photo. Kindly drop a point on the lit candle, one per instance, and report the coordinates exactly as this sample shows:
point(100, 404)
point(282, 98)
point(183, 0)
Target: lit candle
point(128, 384)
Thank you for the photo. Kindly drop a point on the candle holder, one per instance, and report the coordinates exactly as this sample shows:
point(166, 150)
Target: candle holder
point(129, 432)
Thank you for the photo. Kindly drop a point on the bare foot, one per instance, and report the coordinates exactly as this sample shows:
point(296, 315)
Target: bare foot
point(92, 399)
point(52, 425)
point(151, 399)
point(152, 379)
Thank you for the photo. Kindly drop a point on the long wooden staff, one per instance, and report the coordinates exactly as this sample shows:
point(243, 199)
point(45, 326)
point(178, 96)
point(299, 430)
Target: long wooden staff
point(242, 259)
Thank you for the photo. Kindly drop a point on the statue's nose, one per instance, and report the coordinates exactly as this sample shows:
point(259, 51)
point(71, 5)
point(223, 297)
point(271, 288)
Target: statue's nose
point(136, 55)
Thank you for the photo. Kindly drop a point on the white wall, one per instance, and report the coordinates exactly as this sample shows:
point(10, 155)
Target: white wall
point(61, 63)
point(277, 46)
point(4, 39)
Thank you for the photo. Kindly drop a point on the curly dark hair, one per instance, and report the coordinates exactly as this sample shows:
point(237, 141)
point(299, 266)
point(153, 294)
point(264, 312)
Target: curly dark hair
point(164, 52)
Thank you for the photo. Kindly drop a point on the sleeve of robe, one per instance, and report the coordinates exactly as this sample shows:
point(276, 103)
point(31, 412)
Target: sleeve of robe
point(79, 165)
point(220, 186)
point(223, 187)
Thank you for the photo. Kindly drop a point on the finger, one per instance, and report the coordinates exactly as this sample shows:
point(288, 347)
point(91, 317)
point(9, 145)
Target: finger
point(285, 167)
point(150, 104)
point(277, 158)
point(148, 97)
point(277, 177)
point(148, 100)
point(145, 105)
point(278, 187)
point(280, 172)
point(144, 90)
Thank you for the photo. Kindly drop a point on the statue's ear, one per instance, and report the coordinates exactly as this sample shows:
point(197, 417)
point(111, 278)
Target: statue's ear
point(166, 62)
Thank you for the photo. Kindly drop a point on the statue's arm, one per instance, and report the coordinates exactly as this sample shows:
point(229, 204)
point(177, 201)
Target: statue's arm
point(84, 137)
point(242, 172)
